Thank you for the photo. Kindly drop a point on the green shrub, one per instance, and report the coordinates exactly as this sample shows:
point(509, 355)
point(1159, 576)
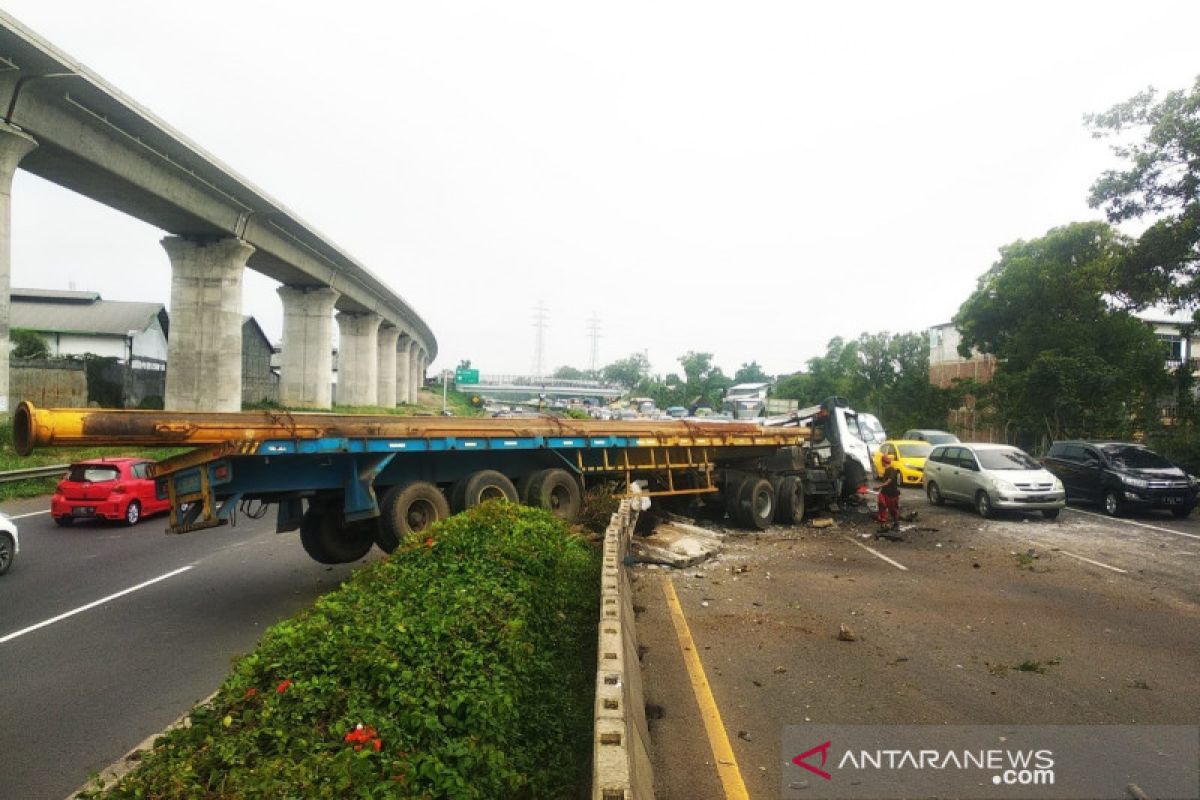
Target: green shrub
point(468, 658)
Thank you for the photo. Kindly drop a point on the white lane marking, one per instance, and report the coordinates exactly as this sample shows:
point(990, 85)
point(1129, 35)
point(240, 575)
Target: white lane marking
point(30, 514)
point(1131, 522)
point(93, 604)
point(1097, 563)
point(877, 554)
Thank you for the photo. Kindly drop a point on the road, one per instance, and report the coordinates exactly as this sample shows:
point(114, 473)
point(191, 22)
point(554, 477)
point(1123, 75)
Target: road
point(962, 620)
point(80, 692)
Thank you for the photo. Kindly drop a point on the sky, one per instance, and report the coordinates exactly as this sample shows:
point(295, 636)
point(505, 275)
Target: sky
point(745, 179)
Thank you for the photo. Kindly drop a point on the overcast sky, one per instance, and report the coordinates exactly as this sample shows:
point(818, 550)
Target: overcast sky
point(747, 179)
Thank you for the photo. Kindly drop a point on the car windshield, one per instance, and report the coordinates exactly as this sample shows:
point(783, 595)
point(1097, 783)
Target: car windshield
point(914, 450)
point(941, 438)
point(1136, 458)
point(1005, 459)
point(90, 473)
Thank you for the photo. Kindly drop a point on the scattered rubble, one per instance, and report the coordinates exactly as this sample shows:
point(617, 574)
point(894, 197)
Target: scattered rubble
point(675, 545)
point(845, 634)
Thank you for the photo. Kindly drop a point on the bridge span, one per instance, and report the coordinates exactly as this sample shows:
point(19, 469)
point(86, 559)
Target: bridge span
point(67, 125)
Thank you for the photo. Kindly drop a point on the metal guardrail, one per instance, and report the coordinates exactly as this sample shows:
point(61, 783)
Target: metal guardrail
point(52, 471)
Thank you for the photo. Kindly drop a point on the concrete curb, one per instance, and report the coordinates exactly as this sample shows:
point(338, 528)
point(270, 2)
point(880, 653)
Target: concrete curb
point(620, 748)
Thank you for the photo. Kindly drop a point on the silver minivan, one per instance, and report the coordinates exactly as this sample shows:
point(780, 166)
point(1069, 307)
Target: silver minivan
point(990, 477)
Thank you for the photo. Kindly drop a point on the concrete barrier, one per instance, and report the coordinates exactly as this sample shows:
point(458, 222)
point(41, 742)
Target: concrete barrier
point(620, 748)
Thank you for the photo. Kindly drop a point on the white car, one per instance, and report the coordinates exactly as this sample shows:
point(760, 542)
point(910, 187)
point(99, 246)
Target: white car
point(990, 477)
point(10, 543)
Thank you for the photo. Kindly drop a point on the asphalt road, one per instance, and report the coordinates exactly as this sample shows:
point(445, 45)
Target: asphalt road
point(1016, 620)
point(78, 693)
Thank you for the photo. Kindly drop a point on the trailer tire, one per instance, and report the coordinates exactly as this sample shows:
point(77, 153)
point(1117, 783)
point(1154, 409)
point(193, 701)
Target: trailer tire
point(854, 477)
point(557, 491)
point(481, 487)
point(328, 542)
point(756, 503)
point(408, 510)
point(790, 496)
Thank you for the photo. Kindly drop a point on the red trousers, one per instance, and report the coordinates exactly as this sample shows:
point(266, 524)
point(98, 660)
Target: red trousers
point(889, 509)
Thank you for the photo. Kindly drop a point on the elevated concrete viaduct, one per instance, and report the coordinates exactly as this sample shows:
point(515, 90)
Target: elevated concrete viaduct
point(65, 124)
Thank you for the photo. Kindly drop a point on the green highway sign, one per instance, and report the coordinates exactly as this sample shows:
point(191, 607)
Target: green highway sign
point(466, 376)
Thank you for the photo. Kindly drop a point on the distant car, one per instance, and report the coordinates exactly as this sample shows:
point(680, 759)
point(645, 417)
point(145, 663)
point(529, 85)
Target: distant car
point(907, 456)
point(1121, 475)
point(109, 488)
point(10, 543)
point(676, 412)
point(930, 435)
point(990, 477)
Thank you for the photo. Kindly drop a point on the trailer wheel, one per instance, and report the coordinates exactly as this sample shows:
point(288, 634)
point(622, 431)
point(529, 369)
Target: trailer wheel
point(408, 510)
point(481, 487)
point(790, 495)
point(557, 491)
point(327, 541)
point(756, 503)
point(855, 476)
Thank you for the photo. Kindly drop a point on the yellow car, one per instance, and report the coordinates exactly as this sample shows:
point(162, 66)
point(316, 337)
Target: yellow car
point(908, 456)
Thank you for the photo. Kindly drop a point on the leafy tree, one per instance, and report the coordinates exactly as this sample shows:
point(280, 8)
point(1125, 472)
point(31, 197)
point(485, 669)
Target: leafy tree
point(1161, 180)
point(704, 380)
point(28, 344)
point(570, 374)
point(627, 372)
point(464, 364)
point(751, 373)
point(1068, 364)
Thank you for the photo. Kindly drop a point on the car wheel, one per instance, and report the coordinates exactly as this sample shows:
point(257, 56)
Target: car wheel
point(983, 504)
point(65, 522)
point(1112, 503)
point(1182, 512)
point(934, 494)
point(8, 551)
point(1050, 513)
point(133, 512)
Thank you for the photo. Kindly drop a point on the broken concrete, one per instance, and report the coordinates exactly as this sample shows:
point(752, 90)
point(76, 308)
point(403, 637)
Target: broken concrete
point(676, 545)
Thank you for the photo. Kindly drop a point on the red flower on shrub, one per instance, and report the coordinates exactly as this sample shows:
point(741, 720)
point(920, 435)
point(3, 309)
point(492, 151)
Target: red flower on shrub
point(250, 693)
point(284, 686)
point(429, 542)
point(361, 735)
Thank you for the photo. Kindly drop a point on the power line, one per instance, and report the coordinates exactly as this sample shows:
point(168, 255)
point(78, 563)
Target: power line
point(594, 332)
point(540, 316)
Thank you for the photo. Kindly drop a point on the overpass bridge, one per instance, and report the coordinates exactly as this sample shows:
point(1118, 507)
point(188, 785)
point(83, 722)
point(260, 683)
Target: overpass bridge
point(67, 125)
point(523, 387)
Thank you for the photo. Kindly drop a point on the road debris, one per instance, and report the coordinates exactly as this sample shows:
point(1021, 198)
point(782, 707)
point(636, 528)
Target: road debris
point(845, 634)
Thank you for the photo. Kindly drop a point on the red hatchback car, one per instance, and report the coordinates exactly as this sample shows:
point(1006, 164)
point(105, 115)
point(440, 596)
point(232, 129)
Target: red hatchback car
point(108, 488)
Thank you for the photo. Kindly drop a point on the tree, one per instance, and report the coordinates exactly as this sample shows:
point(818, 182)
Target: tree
point(627, 372)
point(464, 364)
point(704, 380)
point(28, 344)
point(751, 373)
point(569, 374)
point(1161, 180)
point(1068, 364)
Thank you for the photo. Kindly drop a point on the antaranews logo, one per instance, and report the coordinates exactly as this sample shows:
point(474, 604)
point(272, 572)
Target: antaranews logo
point(823, 749)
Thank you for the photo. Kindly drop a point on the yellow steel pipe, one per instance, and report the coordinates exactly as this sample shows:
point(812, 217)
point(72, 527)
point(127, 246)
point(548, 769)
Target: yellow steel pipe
point(74, 427)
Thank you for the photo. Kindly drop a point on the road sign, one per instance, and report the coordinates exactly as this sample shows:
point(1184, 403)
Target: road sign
point(466, 376)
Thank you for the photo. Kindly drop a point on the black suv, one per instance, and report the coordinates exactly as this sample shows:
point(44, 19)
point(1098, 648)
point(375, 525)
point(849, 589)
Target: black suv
point(1119, 475)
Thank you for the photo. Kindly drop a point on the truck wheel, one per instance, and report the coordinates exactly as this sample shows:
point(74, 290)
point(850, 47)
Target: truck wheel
point(409, 510)
point(557, 491)
point(756, 503)
point(483, 486)
point(327, 541)
point(791, 501)
point(854, 477)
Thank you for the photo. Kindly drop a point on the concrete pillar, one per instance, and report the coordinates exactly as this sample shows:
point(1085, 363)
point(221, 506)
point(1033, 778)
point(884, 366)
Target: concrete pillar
point(306, 363)
point(204, 346)
point(403, 371)
point(358, 358)
point(385, 395)
point(414, 380)
point(14, 145)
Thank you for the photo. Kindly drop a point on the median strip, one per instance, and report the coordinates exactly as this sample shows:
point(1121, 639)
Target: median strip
point(93, 604)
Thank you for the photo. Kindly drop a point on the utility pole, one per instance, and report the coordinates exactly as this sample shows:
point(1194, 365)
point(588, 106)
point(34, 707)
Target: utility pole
point(539, 349)
point(594, 332)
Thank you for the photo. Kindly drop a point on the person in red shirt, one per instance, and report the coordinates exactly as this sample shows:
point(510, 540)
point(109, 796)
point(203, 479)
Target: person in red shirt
point(888, 514)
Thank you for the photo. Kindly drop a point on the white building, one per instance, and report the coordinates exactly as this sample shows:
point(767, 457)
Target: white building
point(74, 323)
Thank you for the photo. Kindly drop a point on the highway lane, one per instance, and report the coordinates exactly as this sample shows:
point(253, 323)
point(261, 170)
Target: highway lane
point(76, 694)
